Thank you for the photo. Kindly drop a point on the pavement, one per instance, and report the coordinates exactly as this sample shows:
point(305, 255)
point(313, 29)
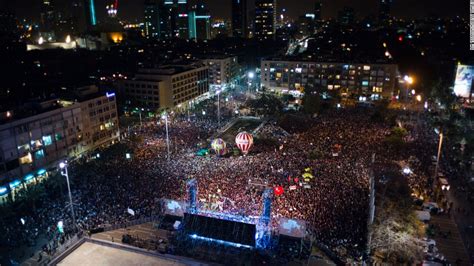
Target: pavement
point(95, 254)
point(462, 214)
point(450, 246)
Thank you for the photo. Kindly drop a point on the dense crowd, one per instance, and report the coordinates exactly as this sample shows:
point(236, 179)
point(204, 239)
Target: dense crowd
point(334, 203)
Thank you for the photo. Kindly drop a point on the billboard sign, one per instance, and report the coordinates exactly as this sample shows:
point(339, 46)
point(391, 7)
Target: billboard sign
point(463, 81)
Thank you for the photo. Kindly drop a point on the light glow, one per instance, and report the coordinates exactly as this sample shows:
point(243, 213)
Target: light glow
point(223, 242)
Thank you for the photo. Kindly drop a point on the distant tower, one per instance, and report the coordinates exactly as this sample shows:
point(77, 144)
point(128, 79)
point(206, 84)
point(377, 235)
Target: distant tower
point(174, 19)
point(384, 10)
point(152, 19)
point(239, 18)
point(199, 22)
point(265, 19)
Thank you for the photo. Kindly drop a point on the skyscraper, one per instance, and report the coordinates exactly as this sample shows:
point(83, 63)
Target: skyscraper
point(384, 10)
point(265, 19)
point(199, 22)
point(317, 10)
point(174, 19)
point(239, 18)
point(152, 19)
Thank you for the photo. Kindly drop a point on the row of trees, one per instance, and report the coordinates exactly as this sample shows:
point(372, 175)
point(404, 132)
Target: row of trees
point(396, 233)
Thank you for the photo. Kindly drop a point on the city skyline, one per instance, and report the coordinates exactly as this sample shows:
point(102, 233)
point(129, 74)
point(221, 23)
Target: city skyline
point(133, 10)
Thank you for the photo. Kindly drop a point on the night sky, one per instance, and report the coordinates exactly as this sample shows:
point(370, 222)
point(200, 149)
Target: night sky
point(133, 9)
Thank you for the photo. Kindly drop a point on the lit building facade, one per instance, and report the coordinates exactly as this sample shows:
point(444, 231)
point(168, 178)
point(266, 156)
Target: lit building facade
point(199, 22)
point(31, 145)
point(265, 19)
point(173, 15)
point(222, 70)
point(167, 86)
point(152, 19)
point(369, 81)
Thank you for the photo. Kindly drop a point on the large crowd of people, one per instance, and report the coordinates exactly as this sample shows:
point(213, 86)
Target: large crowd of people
point(334, 202)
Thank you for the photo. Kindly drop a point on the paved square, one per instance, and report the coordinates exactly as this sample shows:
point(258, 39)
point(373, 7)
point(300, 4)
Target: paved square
point(94, 254)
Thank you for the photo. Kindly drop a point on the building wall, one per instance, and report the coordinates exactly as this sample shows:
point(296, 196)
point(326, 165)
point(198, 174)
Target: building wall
point(100, 122)
point(144, 93)
point(152, 19)
point(31, 145)
point(222, 70)
point(377, 80)
point(154, 89)
point(265, 19)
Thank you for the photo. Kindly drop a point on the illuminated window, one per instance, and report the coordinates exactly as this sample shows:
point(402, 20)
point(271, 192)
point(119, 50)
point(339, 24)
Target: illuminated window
point(58, 136)
point(365, 83)
point(26, 159)
point(39, 154)
point(47, 140)
point(36, 143)
point(366, 67)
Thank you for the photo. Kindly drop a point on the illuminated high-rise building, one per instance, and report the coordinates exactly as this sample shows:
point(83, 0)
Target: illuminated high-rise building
point(199, 22)
point(265, 19)
point(152, 19)
point(173, 17)
point(239, 18)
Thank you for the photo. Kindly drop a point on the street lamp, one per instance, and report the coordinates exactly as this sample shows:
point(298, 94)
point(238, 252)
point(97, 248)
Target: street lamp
point(218, 92)
point(406, 171)
point(64, 172)
point(408, 81)
point(440, 145)
point(165, 117)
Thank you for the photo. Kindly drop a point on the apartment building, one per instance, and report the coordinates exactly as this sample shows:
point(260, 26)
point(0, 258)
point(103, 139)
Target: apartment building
point(223, 69)
point(167, 86)
point(368, 81)
point(31, 143)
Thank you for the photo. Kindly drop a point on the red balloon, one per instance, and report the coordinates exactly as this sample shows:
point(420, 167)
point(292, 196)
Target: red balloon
point(244, 142)
point(278, 190)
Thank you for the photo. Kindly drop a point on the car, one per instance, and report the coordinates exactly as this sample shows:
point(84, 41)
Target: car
point(432, 207)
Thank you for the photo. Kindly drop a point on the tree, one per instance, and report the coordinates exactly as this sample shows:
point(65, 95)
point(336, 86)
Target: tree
point(396, 233)
point(311, 102)
point(266, 105)
point(442, 93)
point(395, 242)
